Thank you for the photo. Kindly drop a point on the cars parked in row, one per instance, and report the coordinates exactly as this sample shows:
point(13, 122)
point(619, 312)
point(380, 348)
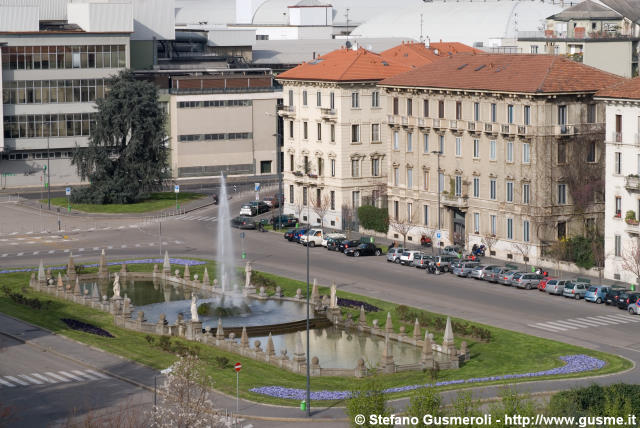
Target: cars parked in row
point(407, 257)
point(243, 222)
point(365, 249)
point(393, 255)
point(527, 281)
point(596, 293)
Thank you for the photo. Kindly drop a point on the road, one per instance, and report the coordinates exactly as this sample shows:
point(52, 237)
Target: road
point(575, 322)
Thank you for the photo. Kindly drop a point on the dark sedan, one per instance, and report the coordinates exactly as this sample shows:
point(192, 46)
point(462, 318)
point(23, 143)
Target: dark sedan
point(260, 206)
point(289, 235)
point(286, 220)
point(346, 244)
point(242, 222)
point(626, 299)
point(363, 250)
point(612, 296)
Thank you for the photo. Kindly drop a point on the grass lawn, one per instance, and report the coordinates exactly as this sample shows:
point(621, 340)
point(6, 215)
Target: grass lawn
point(157, 201)
point(506, 353)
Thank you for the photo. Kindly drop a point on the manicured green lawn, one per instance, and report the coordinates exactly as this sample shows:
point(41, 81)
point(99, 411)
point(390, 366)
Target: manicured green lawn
point(506, 353)
point(157, 201)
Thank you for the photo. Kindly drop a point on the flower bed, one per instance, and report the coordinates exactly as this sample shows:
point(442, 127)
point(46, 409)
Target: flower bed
point(84, 327)
point(180, 262)
point(573, 364)
point(355, 304)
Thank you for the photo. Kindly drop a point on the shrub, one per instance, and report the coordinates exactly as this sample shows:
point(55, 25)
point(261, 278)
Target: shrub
point(84, 327)
point(424, 401)
point(374, 218)
point(581, 252)
point(21, 299)
point(204, 308)
point(350, 303)
point(367, 399)
point(630, 215)
point(222, 362)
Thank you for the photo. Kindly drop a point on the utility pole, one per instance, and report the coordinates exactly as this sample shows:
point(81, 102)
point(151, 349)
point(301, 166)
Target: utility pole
point(438, 153)
point(48, 175)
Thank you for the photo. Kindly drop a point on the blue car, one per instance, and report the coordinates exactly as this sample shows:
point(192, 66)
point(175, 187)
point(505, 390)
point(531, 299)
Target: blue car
point(298, 234)
point(597, 293)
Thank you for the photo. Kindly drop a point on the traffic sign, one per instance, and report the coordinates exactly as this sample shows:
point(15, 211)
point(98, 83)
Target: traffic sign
point(68, 191)
point(257, 187)
point(438, 235)
point(241, 235)
point(237, 367)
point(176, 188)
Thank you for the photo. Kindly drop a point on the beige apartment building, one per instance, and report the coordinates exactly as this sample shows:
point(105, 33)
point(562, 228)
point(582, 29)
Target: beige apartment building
point(509, 147)
point(334, 152)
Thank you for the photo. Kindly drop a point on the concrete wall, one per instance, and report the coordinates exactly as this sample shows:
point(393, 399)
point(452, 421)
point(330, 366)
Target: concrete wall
point(614, 57)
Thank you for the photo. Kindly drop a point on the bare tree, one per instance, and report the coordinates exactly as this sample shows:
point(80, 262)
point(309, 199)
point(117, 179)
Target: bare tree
point(300, 209)
point(631, 259)
point(489, 241)
point(431, 233)
point(599, 256)
point(347, 219)
point(558, 250)
point(321, 207)
point(403, 226)
point(523, 248)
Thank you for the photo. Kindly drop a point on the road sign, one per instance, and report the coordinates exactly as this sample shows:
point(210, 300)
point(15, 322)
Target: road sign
point(257, 187)
point(438, 235)
point(176, 188)
point(237, 367)
point(68, 191)
point(241, 235)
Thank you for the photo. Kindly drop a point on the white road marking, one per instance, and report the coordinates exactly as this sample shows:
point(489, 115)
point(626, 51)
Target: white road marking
point(80, 373)
point(20, 254)
point(121, 227)
point(80, 249)
point(51, 251)
point(55, 376)
point(123, 246)
point(151, 244)
point(16, 380)
point(626, 318)
point(5, 255)
point(5, 383)
point(589, 322)
point(76, 230)
point(95, 373)
point(137, 245)
point(66, 251)
point(67, 374)
point(545, 326)
point(95, 248)
point(564, 324)
point(110, 247)
point(46, 379)
point(30, 379)
point(605, 320)
point(35, 253)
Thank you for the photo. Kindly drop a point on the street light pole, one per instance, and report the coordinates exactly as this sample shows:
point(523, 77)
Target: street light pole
point(279, 139)
point(308, 334)
point(48, 175)
point(438, 153)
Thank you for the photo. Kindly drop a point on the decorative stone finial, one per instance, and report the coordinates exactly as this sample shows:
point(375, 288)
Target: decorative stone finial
point(388, 327)
point(60, 284)
point(315, 296)
point(416, 330)
point(363, 316)
point(244, 339)
point(448, 344)
point(76, 289)
point(333, 303)
point(166, 265)
point(187, 274)
point(102, 264)
point(220, 330)
point(298, 294)
point(205, 277)
point(71, 267)
point(41, 274)
point(270, 348)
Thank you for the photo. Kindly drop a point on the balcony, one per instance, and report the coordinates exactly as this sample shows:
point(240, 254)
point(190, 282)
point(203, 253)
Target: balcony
point(632, 227)
point(452, 200)
point(405, 121)
point(564, 129)
point(392, 120)
point(328, 113)
point(523, 130)
point(489, 128)
point(436, 124)
point(453, 125)
point(422, 123)
point(471, 126)
point(632, 183)
point(288, 111)
point(616, 137)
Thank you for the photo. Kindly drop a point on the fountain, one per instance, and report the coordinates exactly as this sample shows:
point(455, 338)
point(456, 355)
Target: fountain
point(226, 272)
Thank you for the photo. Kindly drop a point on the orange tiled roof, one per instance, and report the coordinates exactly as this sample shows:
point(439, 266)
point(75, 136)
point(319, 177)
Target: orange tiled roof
point(452, 48)
point(507, 73)
point(346, 65)
point(413, 54)
point(628, 89)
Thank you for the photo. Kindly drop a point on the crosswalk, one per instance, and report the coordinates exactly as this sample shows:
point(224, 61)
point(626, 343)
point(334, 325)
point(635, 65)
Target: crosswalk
point(571, 324)
point(196, 218)
point(85, 250)
point(47, 378)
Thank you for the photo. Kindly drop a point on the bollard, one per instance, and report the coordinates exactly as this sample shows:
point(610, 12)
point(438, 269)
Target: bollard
point(303, 405)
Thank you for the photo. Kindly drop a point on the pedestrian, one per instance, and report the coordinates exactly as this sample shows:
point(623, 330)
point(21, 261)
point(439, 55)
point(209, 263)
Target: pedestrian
point(393, 245)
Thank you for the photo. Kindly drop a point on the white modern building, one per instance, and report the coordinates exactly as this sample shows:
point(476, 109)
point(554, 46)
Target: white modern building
point(622, 208)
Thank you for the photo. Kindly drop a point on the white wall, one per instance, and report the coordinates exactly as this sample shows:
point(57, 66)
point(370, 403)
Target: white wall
point(101, 17)
point(154, 18)
point(310, 16)
point(245, 10)
point(19, 18)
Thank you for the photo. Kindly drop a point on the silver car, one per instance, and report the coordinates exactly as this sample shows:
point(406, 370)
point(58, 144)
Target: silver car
point(555, 286)
point(528, 281)
point(506, 277)
point(393, 255)
point(576, 290)
point(465, 269)
point(495, 274)
point(481, 273)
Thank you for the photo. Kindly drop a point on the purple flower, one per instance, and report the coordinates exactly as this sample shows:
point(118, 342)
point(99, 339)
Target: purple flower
point(574, 364)
point(180, 262)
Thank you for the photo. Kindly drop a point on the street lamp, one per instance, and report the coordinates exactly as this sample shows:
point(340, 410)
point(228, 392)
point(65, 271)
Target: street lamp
point(438, 153)
point(48, 175)
point(308, 333)
point(279, 138)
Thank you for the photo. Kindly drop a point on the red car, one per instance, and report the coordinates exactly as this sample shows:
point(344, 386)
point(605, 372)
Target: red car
point(542, 285)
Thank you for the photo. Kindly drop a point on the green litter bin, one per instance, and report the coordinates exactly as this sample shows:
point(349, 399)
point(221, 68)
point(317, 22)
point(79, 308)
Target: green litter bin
point(303, 405)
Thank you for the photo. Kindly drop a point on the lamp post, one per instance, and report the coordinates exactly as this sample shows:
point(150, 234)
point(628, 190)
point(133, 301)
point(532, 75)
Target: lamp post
point(308, 333)
point(279, 139)
point(48, 175)
point(438, 153)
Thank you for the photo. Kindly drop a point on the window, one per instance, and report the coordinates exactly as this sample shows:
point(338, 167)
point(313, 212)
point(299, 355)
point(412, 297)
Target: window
point(458, 110)
point(562, 153)
point(319, 127)
point(425, 179)
point(618, 133)
point(333, 199)
point(375, 167)
point(396, 140)
point(304, 98)
point(458, 146)
point(375, 132)
point(409, 211)
point(476, 187)
point(291, 163)
point(291, 201)
point(509, 151)
point(396, 176)
point(425, 108)
point(562, 115)
point(396, 103)
point(618, 206)
point(562, 229)
point(534, 49)
point(510, 113)
point(319, 99)
point(355, 133)
point(476, 111)
point(618, 163)
point(440, 182)
point(509, 191)
point(291, 129)
point(492, 219)
point(355, 167)
point(332, 100)
point(527, 115)
point(305, 130)
point(290, 97)
point(320, 167)
point(492, 189)
point(305, 196)
point(525, 193)
point(494, 112)
point(525, 230)
point(333, 133)
point(509, 228)
point(409, 107)
point(476, 148)
point(355, 100)
point(409, 178)
point(526, 153)
point(396, 209)
point(425, 144)
point(265, 167)
point(492, 150)
point(409, 142)
point(307, 169)
point(591, 113)
point(591, 153)
point(441, 109)
point(355, 199)
point(562, 194)
point(333, 167)
point(441, 140)
point(425, 215)
point(618, 246)
point(476, 222)
point(458, 185)
point(375, 99)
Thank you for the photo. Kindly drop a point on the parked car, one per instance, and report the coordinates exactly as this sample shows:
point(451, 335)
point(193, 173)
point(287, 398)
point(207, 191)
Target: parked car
point(272, 202)
point(260, 206)
point(452, 250)
point(612, 296)
point(249, 210)
point(465, 268)
point(543, 283)
point(421, 261)
point(288, 235)
point(333, 244)
point(368, 249)
point(347, 244)
point(298, 234)
point(555, 286)
point(286, 220)
point(506, 277)
point(577, 290)
point(328, 236)
point(633, 305)
point(407, 257)
point(393, 255)
point(626, 299)
point(443, 263)
point(596, 293)
point(494, 274)
point(480, 271)
point(314, 237)
point(528, 281)
point(242, 222)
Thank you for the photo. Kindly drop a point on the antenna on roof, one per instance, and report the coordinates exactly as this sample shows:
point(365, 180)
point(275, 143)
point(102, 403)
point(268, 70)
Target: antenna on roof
point(421, 37)
point(347, 16)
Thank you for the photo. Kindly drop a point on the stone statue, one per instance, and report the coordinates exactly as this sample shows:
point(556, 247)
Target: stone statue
point(333, 303)
point(116, 286)
point(194, 308)
point(247, 270)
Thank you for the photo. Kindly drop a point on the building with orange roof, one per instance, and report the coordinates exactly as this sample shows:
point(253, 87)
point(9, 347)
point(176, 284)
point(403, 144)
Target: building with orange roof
point(415, 54)
point(622, 203)
point(333, 115)
point(501, 150)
